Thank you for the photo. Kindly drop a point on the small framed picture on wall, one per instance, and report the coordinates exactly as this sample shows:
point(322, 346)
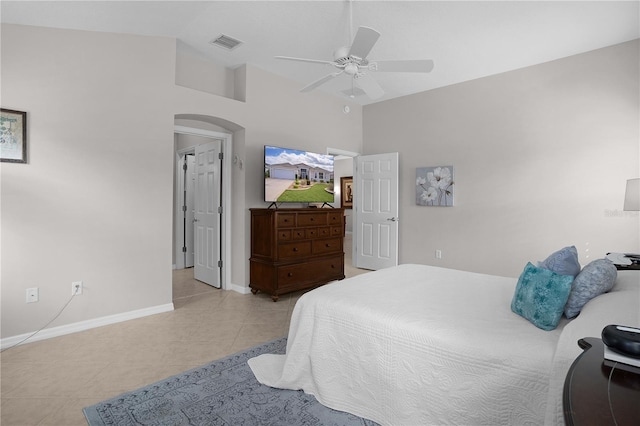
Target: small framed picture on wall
point(434, 186)
point(13, 136)
point(346, 192)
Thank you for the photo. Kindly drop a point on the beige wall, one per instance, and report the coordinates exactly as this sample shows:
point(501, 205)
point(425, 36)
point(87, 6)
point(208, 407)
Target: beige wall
point(91, 204)
point(205, 76)
point(94, 203)
point(541, 158)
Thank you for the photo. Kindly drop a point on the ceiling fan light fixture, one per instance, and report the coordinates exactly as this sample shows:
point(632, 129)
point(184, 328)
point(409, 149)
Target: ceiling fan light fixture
point(351, 69)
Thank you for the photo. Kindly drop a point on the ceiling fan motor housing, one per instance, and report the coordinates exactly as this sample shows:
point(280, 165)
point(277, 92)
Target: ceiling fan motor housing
point(349, 63)
point(341, 55)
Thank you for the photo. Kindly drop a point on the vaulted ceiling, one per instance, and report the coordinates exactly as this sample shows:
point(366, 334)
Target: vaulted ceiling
point(466, 40)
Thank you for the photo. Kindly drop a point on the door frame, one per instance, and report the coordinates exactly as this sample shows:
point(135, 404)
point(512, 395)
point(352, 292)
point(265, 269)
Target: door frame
point(344, 153)
point(179, 215)
point(225, 238)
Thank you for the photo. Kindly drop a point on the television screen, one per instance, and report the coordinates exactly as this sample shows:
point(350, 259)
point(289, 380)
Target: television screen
point(293, 176)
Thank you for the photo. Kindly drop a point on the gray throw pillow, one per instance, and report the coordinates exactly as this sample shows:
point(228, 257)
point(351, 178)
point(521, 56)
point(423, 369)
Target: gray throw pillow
point(563, 262)
point(596, 278)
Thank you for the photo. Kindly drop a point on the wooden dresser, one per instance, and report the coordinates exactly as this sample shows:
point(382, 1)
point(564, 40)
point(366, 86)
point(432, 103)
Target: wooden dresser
point(295, 249)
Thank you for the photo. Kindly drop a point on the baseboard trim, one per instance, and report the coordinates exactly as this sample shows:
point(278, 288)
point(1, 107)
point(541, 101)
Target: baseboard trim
point(239, 288)
point(75, 327)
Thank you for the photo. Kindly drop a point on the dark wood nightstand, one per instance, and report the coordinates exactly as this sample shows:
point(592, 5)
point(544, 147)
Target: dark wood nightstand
point(594, 395)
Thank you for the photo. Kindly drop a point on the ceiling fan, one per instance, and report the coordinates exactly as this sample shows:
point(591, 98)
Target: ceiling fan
point(352, 61)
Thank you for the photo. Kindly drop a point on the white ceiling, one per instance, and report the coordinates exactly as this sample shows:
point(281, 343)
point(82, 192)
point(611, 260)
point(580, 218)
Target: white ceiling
point(466, 40)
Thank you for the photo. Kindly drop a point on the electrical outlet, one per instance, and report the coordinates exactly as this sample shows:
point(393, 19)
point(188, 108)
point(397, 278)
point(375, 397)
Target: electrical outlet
point(76, 288)
point(438, 254)
point(32, 295)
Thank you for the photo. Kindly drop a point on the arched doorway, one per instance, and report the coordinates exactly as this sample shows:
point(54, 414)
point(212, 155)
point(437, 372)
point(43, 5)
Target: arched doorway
point(202, 129)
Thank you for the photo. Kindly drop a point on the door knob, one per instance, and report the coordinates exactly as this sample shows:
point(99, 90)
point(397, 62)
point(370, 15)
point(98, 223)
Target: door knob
point(392, 219)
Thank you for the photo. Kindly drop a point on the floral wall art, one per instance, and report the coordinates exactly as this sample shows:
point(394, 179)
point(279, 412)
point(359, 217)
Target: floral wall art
point(434, 186)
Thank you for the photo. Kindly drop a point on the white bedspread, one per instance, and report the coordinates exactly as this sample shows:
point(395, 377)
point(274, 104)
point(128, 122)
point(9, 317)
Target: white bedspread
point(417, 345)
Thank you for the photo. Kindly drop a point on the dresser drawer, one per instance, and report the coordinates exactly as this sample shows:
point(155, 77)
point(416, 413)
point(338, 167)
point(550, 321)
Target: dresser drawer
point(298, 234)
point(284, 235)
point(292, 276)
point(327, 245)
point(336, 231)
point(311, 233)
point(311, 219)
point(324, 232)
point(286, 220)
point(293, 250)
point(335, 218)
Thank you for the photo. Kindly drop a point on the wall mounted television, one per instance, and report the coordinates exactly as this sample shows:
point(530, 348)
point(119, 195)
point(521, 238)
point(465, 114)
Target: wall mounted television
point(295, 176)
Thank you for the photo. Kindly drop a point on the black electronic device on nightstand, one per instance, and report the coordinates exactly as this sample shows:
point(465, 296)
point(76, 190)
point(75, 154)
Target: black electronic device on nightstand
point(624, 261)
point(622, 346)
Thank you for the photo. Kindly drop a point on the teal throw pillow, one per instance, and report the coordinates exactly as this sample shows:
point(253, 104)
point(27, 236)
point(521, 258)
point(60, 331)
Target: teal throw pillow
point(596, 278)
point(563, 262)
point(540, 296)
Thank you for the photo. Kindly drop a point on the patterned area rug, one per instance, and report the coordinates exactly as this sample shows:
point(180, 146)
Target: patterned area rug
point(223, 392)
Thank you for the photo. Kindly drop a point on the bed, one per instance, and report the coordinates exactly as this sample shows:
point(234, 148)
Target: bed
point(419, 345)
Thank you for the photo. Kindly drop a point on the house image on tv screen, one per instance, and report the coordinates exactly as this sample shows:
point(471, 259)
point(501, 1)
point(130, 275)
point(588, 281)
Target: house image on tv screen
point(301, 171)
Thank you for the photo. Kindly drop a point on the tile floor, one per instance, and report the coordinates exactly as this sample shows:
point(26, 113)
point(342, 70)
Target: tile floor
point(50, 381)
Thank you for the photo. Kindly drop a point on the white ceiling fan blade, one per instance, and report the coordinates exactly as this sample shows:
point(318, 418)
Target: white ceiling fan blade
point(320, 82)
point(368, 86)
point(316, 61)
point(363, 42)
point(418, 65)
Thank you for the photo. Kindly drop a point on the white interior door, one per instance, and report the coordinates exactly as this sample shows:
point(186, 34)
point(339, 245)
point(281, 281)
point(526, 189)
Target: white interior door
point(375, 206)
point(189, 213)
point(206, 215)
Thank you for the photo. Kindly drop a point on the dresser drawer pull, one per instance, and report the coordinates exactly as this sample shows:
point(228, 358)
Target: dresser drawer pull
point(327, 245)
point(289, 274)
point(295, 249)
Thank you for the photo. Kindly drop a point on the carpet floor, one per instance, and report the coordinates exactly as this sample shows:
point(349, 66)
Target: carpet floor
point(223, 392)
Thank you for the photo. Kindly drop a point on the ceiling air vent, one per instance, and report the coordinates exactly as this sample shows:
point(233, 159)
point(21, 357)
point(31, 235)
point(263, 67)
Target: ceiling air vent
point(226, 42)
